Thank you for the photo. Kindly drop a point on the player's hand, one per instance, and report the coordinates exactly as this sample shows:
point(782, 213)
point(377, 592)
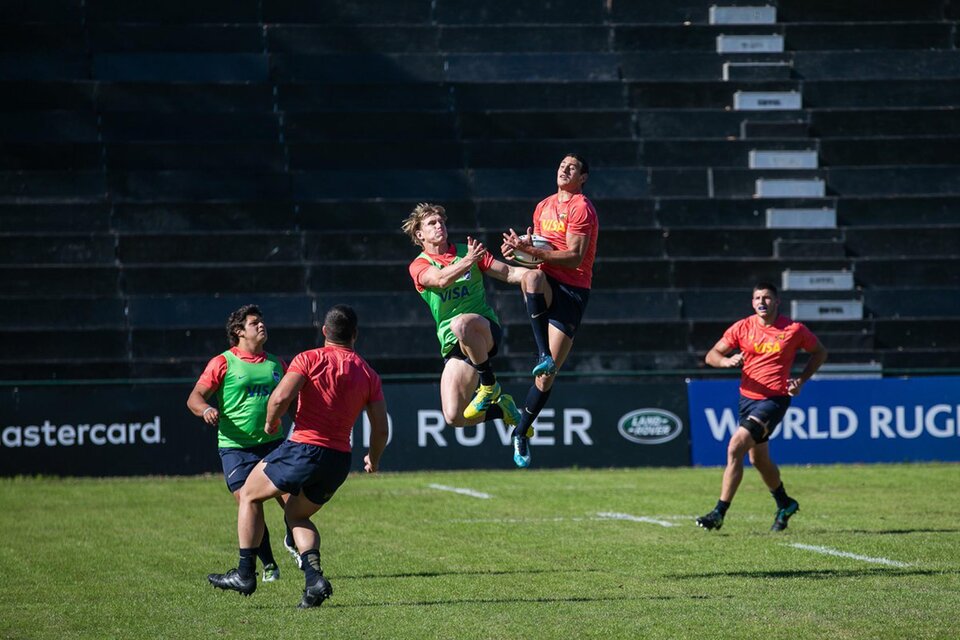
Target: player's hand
point(475, 250)
point(271, 428)
point(211, 416)
point(736, 360)
point(368, 465)
point(793, 386)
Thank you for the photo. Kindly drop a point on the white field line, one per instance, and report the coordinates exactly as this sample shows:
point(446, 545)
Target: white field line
point(463, 492)
point(626, 516)
point(846, 554)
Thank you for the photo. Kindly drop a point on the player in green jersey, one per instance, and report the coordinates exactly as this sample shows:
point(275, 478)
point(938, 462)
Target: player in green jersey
point(449, 278)
point(242, 379)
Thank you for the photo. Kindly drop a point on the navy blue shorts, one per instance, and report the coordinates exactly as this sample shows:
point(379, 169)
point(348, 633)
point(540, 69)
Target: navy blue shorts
point(569, 303)
point(767, 414)
point(458, 354)
point(318, 471)
point(238, 463)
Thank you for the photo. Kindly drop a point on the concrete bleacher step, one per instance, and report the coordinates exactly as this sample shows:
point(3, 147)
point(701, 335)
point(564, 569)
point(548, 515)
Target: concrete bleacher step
point(762, 14)
point(750, 43)
point(816, 280)
point(767, 100)
point(750, 129)
point(795, 218)
point(756, 71)
point(790, 248)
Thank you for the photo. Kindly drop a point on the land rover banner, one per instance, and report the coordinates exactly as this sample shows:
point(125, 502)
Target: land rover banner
point(137, 429)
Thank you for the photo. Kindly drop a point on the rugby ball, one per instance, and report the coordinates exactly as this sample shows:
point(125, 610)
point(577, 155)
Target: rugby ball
point(525, 259)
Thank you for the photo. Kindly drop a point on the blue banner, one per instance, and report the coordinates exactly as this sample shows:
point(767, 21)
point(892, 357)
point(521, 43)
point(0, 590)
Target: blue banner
point(884, 420)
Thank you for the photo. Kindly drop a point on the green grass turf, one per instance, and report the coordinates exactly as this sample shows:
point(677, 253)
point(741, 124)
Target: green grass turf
point(128, 558)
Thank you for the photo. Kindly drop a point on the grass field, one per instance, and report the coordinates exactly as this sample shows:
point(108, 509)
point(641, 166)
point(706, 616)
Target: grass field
point(128, 558)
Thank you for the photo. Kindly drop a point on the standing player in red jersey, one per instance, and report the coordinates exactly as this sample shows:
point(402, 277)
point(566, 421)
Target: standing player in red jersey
point(557, 292)
point(333, 385)
point(768, 344)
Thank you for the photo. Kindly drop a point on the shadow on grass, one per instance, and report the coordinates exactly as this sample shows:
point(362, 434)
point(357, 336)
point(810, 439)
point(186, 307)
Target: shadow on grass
point(814, 574)
point(570, 599)
point(899, 532)
point(439, 574)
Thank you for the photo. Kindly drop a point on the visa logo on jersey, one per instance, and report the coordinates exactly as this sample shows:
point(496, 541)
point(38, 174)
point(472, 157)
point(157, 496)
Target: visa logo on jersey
point(766, 347)
point(259, 390)
point(454, 293)
point(553, 225)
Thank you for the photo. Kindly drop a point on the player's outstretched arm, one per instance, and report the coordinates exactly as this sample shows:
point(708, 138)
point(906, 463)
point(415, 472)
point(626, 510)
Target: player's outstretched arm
point(505, 272)
point(379, 432)
point(718, 356)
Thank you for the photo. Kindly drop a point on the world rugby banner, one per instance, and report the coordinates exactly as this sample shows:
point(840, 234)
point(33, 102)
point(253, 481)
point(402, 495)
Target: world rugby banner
point(882, 420)
point(140, 429)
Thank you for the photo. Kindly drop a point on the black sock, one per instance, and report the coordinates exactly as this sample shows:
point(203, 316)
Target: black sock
point(486, 373)
point(536, 401)
point(310, 563)
point(495, 411)
point(537, 308)
point(722, 507)
point(264, 551)
point(288, 537)
point(247, 568)
point(780, 495)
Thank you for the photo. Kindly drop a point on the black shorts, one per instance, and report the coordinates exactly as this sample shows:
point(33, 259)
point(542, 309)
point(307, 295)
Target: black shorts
point(457, 353)
point(569, 303)
point(318, 471)
point(238, 463)
point(766, 413)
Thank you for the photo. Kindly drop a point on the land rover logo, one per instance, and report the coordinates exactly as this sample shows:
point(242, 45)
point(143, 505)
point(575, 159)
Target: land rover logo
point(650, 426)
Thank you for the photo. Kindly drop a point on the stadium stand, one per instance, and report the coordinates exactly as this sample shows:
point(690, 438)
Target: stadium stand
point(163, 163)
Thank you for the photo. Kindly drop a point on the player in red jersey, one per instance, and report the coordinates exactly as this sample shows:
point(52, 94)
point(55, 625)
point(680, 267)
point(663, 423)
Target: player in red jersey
point(557, 292)
point(768, 344)
point(333, 385)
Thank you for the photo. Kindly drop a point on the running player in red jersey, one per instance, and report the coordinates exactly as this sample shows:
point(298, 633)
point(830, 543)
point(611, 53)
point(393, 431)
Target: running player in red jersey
point(333, 385)
point(557, 292)
point(768, 344)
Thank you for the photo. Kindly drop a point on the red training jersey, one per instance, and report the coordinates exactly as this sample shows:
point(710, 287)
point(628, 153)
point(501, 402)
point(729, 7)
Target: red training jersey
point(339, 384)
point(768, 353)
point(553, 219)
point(213, 375)
point(419, 265)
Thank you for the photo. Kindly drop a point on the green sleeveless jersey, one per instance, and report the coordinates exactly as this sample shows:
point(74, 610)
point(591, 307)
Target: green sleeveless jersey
point(466, 295)
point(242, 398)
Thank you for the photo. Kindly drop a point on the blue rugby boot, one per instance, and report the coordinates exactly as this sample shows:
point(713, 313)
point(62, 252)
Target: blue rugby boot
point(545, 366)
point(521, 448)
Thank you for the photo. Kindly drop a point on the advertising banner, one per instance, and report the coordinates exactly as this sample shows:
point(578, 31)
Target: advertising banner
point(146, 429)
point(886, 420)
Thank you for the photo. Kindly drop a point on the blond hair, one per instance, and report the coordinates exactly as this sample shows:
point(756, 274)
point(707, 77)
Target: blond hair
point(423, 210)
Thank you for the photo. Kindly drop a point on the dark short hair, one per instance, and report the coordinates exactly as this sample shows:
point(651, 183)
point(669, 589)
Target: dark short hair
point(238, 319)
point(584, 165)
point(766, 285)
point(341, 324)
